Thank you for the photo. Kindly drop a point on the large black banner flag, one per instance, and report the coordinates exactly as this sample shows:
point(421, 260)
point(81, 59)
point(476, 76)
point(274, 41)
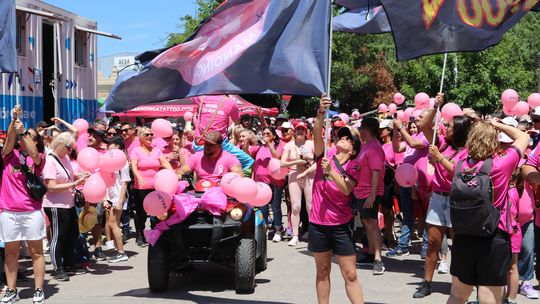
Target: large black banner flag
point(8, 50)
point(245, 47)
point(437, 26)
point(363, 21)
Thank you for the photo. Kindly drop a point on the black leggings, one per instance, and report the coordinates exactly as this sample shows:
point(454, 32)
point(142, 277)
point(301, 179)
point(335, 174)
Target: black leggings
point(65, 231)
point(140, 213)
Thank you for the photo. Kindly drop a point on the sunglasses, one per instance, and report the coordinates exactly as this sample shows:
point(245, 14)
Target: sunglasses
point(70, 148)
point(125, 130)
point(111, 133)
point(148, 134)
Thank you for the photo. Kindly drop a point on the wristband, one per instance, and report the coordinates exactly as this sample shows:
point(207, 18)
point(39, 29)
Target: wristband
point(401, 128)
point(319, 112)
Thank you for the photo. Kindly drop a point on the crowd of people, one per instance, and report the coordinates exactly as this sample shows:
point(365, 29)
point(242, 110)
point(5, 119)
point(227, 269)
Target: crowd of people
point(340, 193)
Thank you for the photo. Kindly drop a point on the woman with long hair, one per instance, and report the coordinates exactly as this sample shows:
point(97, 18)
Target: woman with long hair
point(145, 163)
point(331, 219)
point(21, 218)
point(444, 154)
point(485, 261)
point(298, 156)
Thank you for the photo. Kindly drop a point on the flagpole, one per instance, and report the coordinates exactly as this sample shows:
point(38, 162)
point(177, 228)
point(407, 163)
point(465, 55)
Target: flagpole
point(439, 107)
point(329, 73)
point(17, 89)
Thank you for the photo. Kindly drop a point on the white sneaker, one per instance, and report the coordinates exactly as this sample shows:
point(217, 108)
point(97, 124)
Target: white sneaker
point(293, 242)
point(108, 245)
point(277, 237)
point(443, 268)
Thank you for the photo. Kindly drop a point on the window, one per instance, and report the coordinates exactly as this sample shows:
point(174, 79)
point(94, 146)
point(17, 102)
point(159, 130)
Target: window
point(20, 33)
point(80, 47)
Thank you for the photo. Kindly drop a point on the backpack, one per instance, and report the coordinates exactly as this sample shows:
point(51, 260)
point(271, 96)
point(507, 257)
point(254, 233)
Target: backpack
point(471, 202)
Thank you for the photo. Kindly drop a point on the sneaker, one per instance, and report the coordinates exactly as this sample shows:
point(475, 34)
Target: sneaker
point(294, 241)
point(288, 234)
point(508, 301)
point(11, 296)
point(365, 259)
point(39, 296)
point(140, 242)
point(527, 290)
point(61, 275)
point(75, 270)
point(99, 254)
point(397, 251)
point(277, 237)
point(423, 290)
point(443, 268)
point(118, 257)
point(378, 267)
point(108, 245)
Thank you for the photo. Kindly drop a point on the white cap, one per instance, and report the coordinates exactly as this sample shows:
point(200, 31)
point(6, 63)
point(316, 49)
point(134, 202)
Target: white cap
point(287, 125)
point(502, 137)
point(385, 123)
point(510, 121)
point(536, 111)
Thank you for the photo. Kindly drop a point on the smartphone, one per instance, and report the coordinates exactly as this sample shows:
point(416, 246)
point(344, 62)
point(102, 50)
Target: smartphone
point(49, 132)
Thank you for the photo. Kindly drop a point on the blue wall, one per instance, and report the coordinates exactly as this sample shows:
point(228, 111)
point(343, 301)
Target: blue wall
point(70, 109)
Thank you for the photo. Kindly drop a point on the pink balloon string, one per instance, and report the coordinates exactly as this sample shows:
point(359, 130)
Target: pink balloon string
point(213, 200)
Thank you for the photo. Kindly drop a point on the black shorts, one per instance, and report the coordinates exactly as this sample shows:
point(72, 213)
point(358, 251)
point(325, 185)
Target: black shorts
point(479, 261)
point(367, 213)
point(338, 238)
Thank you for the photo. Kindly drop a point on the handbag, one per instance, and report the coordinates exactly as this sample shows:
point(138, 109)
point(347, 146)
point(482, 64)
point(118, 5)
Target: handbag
point(78, 196)
point(34, 185)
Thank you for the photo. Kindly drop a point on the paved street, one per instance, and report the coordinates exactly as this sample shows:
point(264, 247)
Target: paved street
point(289, 279)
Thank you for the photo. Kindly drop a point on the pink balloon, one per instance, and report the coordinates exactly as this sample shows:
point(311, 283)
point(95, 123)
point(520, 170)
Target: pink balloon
point(416, 113)
point(94, 189)
point(521, 108)
point(402, 116)
point(188, 116)
point(406, 175)
point(182, 185)
point(166, 180)
point(275, 169)
point(409, 113)
point(245, 190)
point(431, 102)
point(392, 108)
point(421, 100)
point(449, 110)
point(383, 108)
point(509, 98)
point(113, 160)
point(81, 125)
point(88, 159)
point(263, 197)
point(109, 178)
point(355, 115)
point(227, 183)
point(399, 99)
point(344, 117)
point(157, 203)
point(534, 100)
point(507, 111)
point(162, 128)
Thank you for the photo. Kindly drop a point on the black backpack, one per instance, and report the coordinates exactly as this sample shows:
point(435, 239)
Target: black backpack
point(471, 202)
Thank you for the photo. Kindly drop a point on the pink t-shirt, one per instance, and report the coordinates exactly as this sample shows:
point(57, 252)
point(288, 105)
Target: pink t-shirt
point(148, 165)
point(13, 194)
point(229, 110)
point(412, 155)
point(212, 170)
point(424, 176)
point(130, 145)
point(158, 142)
point(442, 179)
point(176, 163)
point(392, 159)
point(54, 171)
point(260, 166)
point(370, 158)
point(329, 207)
point(501, 172)
point(515, 236)
point(532, 190)
point(526, 205)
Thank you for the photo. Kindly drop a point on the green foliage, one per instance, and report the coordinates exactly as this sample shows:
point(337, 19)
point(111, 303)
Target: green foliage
point(366, 73)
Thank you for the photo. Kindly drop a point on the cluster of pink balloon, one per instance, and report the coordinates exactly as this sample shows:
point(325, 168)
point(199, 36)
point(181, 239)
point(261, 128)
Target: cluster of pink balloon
point(103, 170)
point(246, 190)
point(166, 184)
point(513, 106)
point(421, 101)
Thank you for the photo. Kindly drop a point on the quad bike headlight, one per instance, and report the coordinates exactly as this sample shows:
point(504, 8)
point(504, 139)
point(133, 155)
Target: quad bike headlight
point(236, 214)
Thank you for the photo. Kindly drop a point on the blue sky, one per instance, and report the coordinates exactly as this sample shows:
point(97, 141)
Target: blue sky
point(142, 24)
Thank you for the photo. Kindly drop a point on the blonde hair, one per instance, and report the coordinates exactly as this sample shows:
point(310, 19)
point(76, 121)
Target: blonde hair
point(482, 142)
point(250, 136)
point(62, 139)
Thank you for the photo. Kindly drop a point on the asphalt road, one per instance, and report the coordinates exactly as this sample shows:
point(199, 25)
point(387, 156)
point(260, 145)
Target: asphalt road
point(289, 278)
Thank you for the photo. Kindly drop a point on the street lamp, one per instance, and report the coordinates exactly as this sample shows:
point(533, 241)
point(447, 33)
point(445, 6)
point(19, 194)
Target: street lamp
point(538, 64)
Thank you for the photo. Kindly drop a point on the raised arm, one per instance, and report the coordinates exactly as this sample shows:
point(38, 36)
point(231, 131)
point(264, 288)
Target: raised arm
point(318, 140)
point(69, 126)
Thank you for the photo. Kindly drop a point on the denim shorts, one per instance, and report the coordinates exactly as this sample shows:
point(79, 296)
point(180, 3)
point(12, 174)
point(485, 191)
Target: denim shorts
point(439, 210)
